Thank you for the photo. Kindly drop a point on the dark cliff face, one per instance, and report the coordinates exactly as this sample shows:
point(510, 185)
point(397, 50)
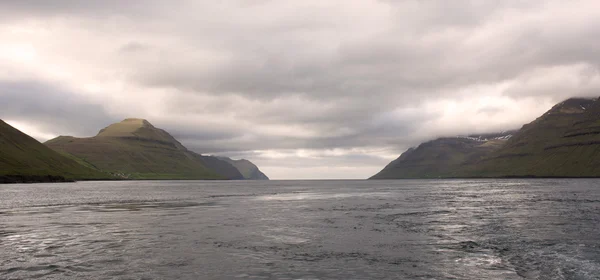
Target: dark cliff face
point(221, 167)
point(563, 142)
point(135, 149)
point(248, 169)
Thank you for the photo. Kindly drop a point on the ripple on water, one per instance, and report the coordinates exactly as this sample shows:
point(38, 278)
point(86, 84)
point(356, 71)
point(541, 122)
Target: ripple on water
point(455, 229)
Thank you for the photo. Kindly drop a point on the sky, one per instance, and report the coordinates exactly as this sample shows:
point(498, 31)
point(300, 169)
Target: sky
point(304, 89)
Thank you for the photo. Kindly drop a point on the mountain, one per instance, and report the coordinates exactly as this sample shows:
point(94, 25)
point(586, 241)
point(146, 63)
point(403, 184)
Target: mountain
point(443, 157)
point(563, 142)
point(24, 159)
point(135, 149)
point(223, 168)
point(247, 168)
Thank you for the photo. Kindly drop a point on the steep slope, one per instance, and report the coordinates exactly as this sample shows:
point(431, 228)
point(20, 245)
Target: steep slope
point(135, 149)
point(223, 168)
point(443, 157)
point(564, 142)
point(24, 159)
point(248, 169)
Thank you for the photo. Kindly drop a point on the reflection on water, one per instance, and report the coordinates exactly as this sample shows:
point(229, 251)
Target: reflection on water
point(454, 229)
point(315, 195)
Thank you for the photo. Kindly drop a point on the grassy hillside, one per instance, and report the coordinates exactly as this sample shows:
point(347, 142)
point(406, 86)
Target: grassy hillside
point(564, 142)
point(23, 158)
point(135, 149)
point(444, 157)
point(248, 169)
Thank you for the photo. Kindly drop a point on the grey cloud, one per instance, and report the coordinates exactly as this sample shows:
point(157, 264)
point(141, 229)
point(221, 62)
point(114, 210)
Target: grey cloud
point(391, 69)
point(265, 63)
point(345, 123)
point(491, 110)
point(363, 136)
point(349, 160)
point(51, 108)
point(133, 47)
point(19, 9)
point(363, 74)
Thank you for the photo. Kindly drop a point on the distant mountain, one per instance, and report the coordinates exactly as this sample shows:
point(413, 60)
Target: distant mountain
point(222, 167)
point(135, 149)
point(247, 168)
point(24, 159)
point(443, 157)
point(564, 142)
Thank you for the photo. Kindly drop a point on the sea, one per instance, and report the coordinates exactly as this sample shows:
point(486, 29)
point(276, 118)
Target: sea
point(356, 229)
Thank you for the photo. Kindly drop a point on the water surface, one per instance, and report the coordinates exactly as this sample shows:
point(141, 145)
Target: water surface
point(405, 229)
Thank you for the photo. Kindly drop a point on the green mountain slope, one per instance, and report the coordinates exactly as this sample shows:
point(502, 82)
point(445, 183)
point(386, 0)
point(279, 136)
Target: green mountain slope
point(248, 169)
point(564, 142)
point(443, 157)
point(135, 149)
point(24, 159)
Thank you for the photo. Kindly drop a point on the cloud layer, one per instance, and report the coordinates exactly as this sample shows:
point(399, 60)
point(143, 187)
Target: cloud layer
point(305, 89)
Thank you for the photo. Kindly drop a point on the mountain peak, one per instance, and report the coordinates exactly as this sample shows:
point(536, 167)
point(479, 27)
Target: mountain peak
point(134, 127)
point(136, 121)
point(572, 106)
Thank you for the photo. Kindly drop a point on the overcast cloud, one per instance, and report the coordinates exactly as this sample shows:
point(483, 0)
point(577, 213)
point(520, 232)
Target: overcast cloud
point(305, 89)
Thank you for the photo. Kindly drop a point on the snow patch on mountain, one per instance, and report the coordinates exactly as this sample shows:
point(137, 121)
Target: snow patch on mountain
point(481, 138)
